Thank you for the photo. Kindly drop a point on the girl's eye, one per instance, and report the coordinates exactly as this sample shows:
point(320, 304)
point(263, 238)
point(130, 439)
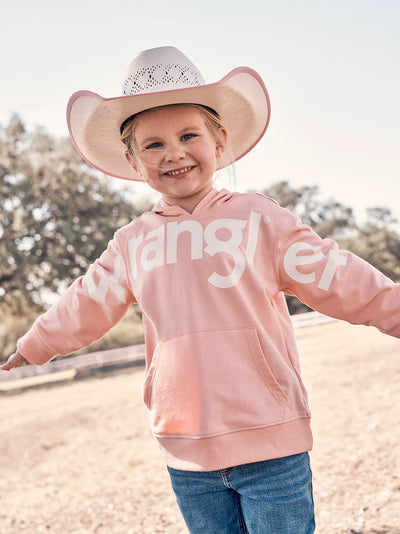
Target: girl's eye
point(153, 145)
point(188, 136)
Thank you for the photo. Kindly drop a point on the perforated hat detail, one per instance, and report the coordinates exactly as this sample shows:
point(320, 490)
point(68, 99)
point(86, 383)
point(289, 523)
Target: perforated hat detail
point(158, 77)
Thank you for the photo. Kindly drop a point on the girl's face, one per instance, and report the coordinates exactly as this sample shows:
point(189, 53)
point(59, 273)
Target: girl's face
point(177, 154)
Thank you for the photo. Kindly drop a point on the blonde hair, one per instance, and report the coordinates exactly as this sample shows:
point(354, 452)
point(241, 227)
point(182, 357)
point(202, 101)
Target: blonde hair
point(211, 119)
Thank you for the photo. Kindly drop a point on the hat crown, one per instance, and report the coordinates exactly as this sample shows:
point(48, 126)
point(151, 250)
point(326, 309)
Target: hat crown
point(160, 69)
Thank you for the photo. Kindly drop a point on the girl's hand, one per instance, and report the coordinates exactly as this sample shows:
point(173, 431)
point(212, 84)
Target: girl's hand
point(15, 360)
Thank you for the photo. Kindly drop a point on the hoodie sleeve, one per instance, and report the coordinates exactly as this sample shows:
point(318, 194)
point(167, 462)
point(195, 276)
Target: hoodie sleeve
point(92, 305)
point(335, 282)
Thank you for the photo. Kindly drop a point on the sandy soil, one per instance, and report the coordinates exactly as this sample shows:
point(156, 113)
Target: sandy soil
point(79, 458)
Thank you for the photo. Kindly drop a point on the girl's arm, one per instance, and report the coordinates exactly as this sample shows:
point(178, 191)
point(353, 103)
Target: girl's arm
point(92, 305)
point(336, 282)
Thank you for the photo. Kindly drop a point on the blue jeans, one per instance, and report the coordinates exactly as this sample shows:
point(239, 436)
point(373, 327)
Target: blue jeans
point(269, 497)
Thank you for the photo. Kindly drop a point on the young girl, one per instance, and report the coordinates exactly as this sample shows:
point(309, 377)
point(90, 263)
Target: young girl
point(209, 269)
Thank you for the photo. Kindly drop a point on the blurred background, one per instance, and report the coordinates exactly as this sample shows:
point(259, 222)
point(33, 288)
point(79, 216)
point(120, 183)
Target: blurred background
point(331, 152)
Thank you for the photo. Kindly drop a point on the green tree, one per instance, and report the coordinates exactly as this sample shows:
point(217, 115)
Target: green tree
point(378, 242)
point(56, 216)
point(327, 217)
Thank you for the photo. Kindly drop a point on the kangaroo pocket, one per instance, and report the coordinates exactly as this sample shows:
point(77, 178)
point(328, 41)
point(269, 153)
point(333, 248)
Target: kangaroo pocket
point(209, 383)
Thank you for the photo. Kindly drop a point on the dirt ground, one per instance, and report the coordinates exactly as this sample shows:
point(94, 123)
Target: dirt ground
point(79, 458)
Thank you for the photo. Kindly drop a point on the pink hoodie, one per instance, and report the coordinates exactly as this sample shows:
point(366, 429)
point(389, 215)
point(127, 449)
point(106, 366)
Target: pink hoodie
point(223, 383)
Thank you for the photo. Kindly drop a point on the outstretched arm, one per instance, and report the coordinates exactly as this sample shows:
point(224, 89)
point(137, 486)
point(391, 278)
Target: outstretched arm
point(336, 282)
point(92, 305)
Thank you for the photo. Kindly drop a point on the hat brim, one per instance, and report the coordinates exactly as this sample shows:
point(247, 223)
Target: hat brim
point(240, 98)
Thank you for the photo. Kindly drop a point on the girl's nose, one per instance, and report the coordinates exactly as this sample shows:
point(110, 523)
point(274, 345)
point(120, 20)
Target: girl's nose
point(174, 152)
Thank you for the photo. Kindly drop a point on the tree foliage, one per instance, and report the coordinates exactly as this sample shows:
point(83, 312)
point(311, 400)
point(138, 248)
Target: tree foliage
point(378, 242)
point(56, 216)
point(327, 217)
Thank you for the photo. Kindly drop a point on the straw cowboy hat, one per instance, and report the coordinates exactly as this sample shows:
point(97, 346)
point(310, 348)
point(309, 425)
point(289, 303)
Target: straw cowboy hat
point(159, 77)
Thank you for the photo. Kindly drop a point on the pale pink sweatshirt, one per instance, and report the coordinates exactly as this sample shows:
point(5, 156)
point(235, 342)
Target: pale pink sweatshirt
point(223, 383)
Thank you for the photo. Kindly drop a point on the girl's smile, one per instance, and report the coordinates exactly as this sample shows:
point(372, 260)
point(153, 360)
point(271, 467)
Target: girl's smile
point(180, 172)
point(177, 154)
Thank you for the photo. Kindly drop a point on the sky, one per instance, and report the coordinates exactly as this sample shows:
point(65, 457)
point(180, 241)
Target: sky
point(331, 68)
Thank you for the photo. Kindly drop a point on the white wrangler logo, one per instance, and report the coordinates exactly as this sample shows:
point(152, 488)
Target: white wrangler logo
point(293, 259)
point(161, 246)
point(98, 291)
